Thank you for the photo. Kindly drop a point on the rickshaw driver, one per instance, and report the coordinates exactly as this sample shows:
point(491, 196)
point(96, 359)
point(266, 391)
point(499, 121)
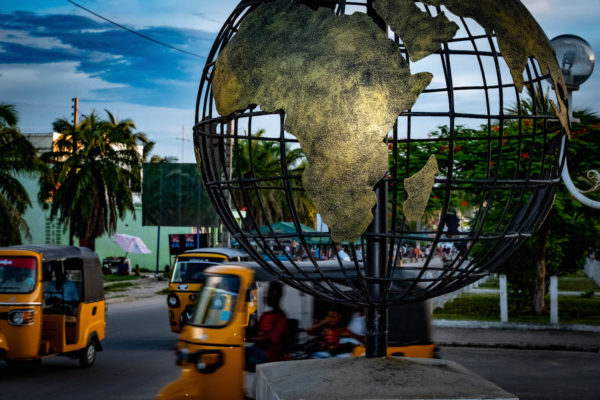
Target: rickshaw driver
point(20, 278)
point(270, 333)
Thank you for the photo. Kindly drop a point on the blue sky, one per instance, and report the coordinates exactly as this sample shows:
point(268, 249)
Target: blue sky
point(52, 51)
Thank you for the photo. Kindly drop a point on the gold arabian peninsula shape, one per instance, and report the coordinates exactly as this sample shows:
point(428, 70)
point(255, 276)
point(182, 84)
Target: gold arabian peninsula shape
point(341, 82)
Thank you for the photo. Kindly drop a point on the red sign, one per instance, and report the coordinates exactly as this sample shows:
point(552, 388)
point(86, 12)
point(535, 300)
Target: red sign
point(18, 262)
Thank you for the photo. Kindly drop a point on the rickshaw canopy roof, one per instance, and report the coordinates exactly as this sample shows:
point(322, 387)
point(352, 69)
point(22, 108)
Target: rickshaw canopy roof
point(93, 286)
point(224, 251)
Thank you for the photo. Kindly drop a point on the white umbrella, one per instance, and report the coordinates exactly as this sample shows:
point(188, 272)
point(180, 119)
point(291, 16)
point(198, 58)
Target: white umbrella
point(131, 244)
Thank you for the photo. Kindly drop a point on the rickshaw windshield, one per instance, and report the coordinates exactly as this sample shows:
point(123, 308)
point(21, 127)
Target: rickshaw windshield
point(191, 270)
point(216, 304)
point(17, 274)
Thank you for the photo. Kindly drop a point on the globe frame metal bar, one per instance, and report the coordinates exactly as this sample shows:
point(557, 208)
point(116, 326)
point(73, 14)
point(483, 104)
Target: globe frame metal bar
point(378, 282)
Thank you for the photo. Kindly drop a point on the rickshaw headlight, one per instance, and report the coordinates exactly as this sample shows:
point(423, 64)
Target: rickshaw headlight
point(21, 317)
point(209, 361)
point(172, 300)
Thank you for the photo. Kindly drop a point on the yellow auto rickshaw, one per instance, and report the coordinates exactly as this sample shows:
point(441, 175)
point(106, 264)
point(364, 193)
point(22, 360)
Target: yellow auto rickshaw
point(51, 303)
point(211, 346)
point(188, 277)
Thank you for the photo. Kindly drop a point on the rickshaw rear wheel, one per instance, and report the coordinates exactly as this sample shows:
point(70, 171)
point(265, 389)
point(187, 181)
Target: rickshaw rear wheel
point(87, 355)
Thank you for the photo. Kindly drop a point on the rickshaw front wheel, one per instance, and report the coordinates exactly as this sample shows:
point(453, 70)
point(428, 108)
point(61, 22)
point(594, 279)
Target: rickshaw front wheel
point(87, 356)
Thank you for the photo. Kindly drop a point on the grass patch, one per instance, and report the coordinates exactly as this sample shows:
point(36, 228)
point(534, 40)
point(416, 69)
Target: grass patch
point(164, 291)
point(576, 282)
point(486, 307)
point(119, 278)
point(492, 283)
point(118, 287)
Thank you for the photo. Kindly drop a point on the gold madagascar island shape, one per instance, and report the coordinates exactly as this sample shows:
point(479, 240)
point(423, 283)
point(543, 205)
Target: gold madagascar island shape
point(341, 82)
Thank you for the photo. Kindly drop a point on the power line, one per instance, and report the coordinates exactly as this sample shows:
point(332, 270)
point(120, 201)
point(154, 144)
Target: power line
point(136, 33)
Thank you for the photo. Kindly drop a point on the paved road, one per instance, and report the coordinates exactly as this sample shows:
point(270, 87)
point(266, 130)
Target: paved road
point(136, 362)
point(534, 374)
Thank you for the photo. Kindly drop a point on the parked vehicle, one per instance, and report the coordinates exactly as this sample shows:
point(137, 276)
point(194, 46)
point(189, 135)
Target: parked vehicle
point(211, 348)
point(116, 265)
point(188, 277)
point(51, 303)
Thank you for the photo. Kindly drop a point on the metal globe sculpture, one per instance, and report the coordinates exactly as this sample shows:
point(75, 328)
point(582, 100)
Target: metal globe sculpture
point(390, 119)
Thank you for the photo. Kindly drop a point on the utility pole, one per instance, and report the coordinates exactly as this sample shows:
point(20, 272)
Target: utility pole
point(183, 139)
point(74, 138)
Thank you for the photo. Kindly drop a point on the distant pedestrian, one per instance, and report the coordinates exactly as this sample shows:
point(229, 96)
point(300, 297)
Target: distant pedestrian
point(359, 254)
point(342, 254)
point(446, 257)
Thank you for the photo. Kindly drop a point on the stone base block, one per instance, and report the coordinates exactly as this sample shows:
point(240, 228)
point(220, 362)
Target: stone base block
point(367, 378)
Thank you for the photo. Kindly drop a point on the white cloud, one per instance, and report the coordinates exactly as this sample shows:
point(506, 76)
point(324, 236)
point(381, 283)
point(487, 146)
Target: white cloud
point(24, 39)
point(43, 92)
point(575, 10)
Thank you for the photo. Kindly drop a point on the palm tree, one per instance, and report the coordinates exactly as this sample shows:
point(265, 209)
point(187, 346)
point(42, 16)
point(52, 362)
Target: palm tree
point(156, 159)
point(89, 185)
point(17, 155)
point(255, 159)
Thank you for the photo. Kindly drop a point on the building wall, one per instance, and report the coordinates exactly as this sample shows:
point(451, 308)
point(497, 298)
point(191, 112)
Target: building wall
point(44, 231)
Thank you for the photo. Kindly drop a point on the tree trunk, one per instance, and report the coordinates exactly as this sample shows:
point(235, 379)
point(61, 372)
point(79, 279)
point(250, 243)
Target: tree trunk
point(539, 293)
point(71, 233)
point(90, 243)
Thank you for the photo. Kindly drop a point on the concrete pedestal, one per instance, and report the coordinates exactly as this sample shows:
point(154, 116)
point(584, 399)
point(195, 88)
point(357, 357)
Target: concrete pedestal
point(363, 378)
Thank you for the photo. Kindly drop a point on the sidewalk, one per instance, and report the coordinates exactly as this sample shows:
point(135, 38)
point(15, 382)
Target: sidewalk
point(530, 337)
point(145, 287)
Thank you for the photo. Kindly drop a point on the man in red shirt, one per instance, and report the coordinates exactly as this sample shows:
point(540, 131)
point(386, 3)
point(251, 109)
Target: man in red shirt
point(270, 333)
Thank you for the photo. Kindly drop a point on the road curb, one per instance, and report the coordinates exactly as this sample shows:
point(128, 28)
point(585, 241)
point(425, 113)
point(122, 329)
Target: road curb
point(528, 346)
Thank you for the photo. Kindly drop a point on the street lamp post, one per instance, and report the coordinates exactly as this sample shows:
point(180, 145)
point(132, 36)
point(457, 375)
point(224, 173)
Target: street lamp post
point(576, 59)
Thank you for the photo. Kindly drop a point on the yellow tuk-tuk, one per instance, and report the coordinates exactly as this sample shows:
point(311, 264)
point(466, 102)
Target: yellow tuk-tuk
point(51, 303)
point(211, 346)
point(188, 277)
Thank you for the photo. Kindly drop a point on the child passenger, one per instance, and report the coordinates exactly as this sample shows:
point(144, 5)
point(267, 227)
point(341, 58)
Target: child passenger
point(330, 332)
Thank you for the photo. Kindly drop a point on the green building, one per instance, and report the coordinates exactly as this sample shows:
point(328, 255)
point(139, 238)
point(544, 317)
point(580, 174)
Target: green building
point(43, 230)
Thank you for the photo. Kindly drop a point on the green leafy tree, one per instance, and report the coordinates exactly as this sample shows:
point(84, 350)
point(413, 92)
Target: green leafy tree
point(94, 170)
point(513, 151)
point(17, 156)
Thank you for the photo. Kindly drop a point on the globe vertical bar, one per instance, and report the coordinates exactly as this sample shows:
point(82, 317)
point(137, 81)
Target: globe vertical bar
point(377, 323)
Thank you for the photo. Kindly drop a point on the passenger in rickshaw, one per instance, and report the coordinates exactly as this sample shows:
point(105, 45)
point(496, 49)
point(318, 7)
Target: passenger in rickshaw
point(63, 298)
point(333, 338)
point(269, 335)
